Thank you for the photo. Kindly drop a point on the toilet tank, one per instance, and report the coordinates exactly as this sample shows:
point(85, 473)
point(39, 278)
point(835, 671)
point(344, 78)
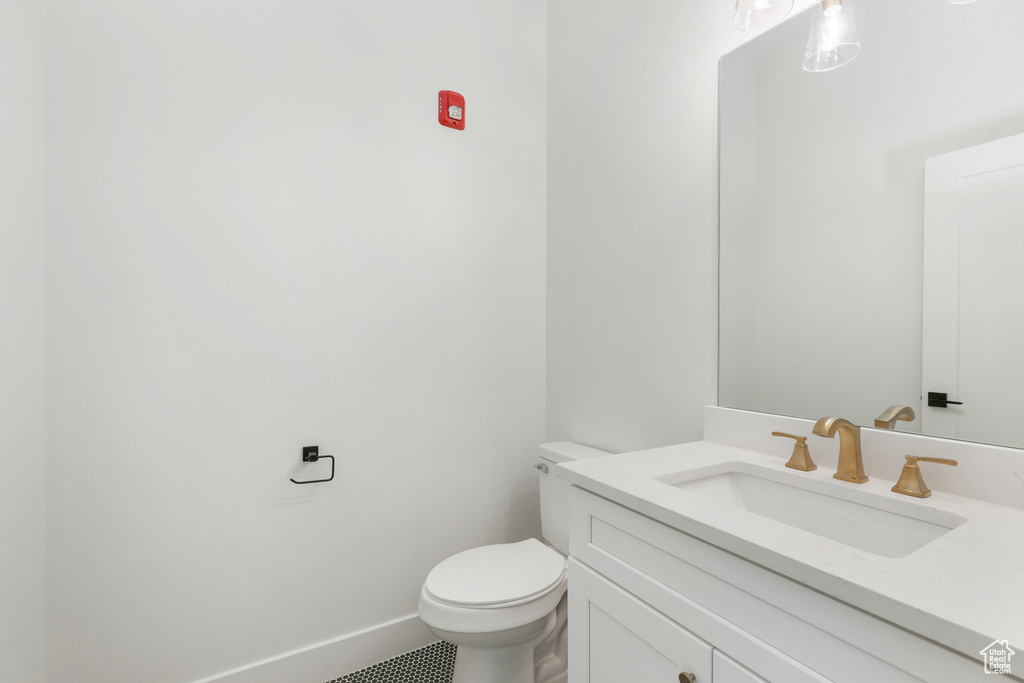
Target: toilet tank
point(554, 492)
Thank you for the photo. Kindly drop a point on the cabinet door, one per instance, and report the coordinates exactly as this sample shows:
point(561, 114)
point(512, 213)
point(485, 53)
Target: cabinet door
point(616, 638)
point(727, 670)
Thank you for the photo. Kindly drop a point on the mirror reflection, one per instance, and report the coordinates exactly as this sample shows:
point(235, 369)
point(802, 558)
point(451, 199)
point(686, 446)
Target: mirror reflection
point(833, 217)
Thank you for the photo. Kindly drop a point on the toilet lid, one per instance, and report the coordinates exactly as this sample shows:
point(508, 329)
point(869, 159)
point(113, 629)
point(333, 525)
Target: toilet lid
point(496, 574)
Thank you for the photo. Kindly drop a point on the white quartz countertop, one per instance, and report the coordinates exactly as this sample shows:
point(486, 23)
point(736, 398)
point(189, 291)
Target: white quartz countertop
point(964, 589)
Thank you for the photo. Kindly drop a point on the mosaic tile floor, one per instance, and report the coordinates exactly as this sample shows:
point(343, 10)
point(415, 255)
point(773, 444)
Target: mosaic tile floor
point(430, 664)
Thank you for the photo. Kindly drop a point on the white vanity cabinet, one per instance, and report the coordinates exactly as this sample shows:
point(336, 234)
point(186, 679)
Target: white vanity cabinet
point(727, 670)
point(620, 639)
point(625, 639)
point(648, 602)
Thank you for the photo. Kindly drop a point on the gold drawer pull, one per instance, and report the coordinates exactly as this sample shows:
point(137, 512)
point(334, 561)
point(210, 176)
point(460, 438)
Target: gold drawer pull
point(687, 678)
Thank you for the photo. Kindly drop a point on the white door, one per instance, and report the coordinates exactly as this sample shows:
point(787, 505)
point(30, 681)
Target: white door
point(973, 333)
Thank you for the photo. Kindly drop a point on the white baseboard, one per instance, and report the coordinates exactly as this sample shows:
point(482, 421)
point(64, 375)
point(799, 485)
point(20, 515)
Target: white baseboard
point(333, 658)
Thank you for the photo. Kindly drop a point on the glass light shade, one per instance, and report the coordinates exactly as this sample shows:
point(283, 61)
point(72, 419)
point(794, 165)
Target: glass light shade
point(960, 2)
point(752, 15)
point(833, 41)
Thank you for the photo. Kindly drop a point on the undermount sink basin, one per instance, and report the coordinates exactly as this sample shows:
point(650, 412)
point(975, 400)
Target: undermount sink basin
point(819, 507)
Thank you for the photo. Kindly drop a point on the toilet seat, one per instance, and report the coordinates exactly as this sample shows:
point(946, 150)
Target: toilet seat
point(514, 584)
point(496, 576)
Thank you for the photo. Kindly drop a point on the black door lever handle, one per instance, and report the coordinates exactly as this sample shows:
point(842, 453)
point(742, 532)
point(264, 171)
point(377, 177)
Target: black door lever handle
point(937, 399)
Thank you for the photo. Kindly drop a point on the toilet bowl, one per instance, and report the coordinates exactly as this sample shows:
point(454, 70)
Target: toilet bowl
point(504, 605)
point(499, 605)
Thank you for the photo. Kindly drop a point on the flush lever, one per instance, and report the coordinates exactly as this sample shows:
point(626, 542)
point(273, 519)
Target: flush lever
point(312, 454)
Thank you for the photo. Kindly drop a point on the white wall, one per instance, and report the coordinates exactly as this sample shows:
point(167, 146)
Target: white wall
point(261, 238)
point(633, 218)
point(22, 343)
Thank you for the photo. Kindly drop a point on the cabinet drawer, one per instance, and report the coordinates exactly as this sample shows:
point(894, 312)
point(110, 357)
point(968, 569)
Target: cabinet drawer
point(750, 612)
point(614, 637)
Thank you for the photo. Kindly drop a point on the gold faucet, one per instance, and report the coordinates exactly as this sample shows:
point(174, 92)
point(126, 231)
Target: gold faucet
point(851, 461)
point(911, 482)
point(887, 420)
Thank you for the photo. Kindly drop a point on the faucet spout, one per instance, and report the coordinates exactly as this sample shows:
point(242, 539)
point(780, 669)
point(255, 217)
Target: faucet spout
point(887, 420)
point(851, 460)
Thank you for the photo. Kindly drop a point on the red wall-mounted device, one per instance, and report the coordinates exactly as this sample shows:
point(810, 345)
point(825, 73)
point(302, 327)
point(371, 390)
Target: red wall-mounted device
point(451, 109)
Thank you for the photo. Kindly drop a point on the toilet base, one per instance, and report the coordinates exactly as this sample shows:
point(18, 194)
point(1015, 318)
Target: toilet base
point(538, 655)
point(552, 655)
point(494, 665)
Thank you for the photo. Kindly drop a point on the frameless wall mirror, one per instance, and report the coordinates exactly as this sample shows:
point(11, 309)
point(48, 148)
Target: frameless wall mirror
point(827, 237)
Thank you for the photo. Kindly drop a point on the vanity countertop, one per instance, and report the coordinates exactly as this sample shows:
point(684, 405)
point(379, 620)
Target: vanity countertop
point(964, 589)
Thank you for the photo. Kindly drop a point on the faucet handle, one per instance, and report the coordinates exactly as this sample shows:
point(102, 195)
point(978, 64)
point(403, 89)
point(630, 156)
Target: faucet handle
point(911, 483)
point(801, 458)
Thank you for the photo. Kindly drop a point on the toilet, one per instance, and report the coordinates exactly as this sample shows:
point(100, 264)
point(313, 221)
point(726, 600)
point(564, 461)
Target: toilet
point(504, 605)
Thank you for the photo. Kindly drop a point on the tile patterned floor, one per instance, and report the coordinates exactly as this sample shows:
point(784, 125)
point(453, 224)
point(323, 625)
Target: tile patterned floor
point(430, 664)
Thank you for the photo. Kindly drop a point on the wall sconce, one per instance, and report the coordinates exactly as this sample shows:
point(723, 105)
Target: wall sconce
point(833, 41)
point(753, 15)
